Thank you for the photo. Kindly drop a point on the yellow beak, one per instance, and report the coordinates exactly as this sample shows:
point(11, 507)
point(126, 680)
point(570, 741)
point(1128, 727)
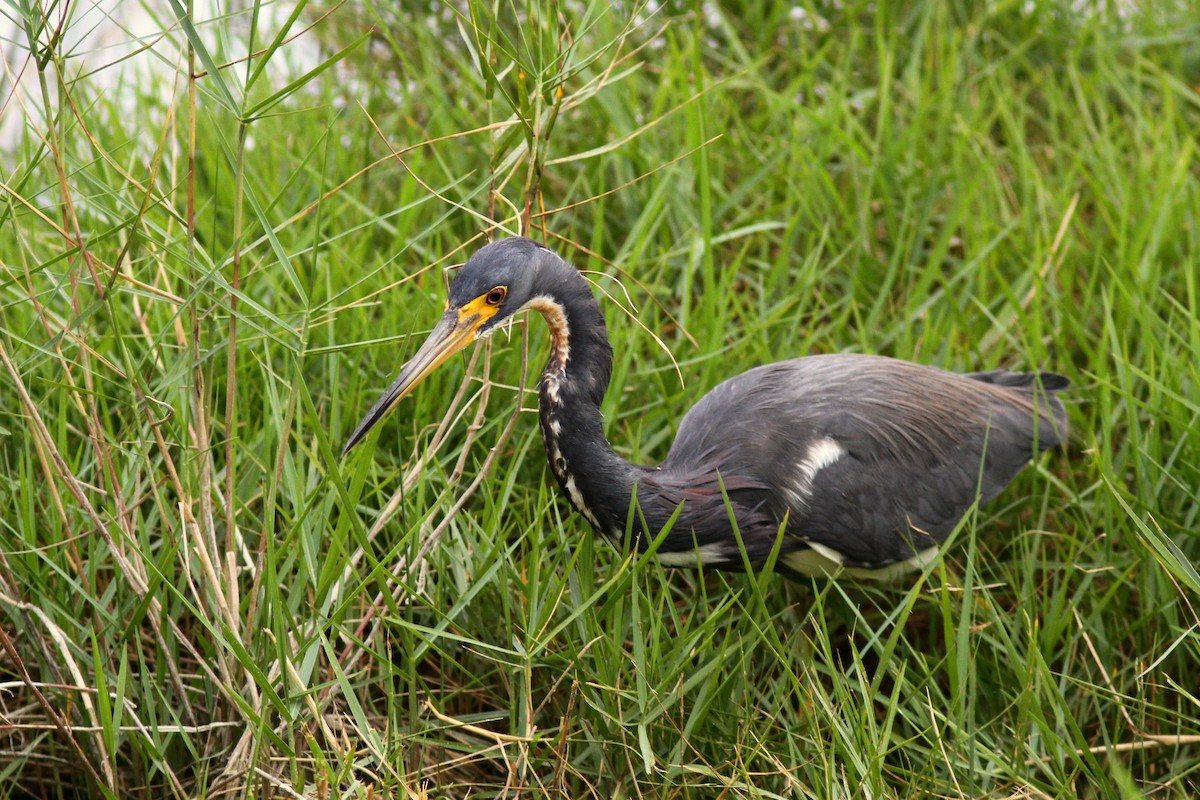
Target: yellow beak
point(457, 329)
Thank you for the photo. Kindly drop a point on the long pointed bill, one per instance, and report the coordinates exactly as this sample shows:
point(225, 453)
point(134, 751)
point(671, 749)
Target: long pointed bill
point(456, 330)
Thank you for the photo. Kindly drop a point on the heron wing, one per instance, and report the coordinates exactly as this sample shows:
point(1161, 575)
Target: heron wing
point(873, 458)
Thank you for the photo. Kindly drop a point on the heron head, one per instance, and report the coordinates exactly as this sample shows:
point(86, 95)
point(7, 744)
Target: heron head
point(495, 283)
point(500, 279)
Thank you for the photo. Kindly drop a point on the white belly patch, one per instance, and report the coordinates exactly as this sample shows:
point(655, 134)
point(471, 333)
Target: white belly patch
point(822, 561)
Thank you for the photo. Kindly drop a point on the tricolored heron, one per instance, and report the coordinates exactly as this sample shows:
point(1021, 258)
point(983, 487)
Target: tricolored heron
point(864, 464)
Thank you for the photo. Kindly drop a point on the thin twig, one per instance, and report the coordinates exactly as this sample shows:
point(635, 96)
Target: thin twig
point(498, 738)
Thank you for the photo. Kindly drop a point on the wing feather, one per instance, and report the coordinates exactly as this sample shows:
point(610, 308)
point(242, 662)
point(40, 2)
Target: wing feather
point(920, 446)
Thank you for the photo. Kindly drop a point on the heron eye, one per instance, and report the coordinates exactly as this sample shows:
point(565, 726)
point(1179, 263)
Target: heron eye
point(496, 296)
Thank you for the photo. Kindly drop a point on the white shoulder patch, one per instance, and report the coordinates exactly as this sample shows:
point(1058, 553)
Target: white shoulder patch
point(820, 455)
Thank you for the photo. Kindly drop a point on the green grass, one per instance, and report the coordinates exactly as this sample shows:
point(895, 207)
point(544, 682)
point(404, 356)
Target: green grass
point(198, 598)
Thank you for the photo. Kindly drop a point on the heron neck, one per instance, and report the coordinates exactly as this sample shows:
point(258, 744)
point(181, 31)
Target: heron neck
point(595, 479)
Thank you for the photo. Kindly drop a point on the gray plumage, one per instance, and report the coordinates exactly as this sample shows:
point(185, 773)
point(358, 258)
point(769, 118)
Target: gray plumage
point(865, 463)
point(918, 443)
